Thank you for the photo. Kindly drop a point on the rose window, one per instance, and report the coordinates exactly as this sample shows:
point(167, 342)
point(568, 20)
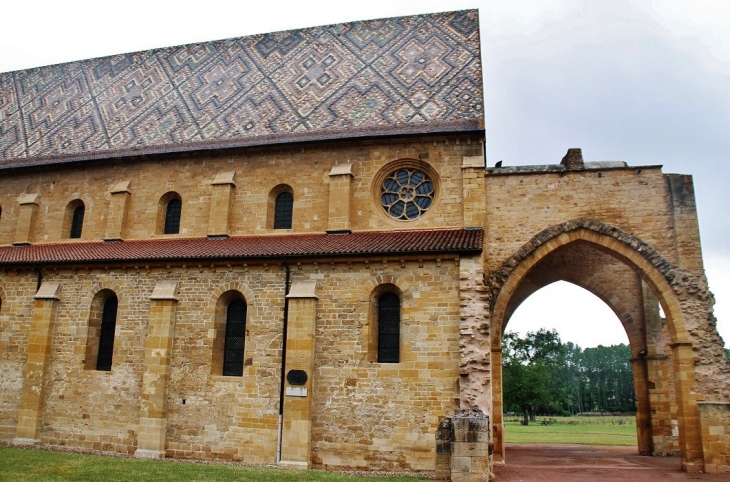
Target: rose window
point(407, 194)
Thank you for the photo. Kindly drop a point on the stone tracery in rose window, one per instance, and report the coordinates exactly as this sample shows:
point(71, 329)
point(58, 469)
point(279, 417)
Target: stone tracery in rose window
point(406, 194)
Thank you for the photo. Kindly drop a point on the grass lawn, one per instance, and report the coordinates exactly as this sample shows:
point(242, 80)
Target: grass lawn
point(573, 430)
point(20, 465)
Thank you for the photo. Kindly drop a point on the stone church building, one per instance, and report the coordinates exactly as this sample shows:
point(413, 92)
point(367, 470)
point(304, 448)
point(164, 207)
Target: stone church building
point(287, 248)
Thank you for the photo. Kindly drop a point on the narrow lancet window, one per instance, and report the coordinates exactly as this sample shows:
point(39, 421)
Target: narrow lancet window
point(283, 210)
point(235, 338)
point(77, 222)
point(106, 337)
point(389, 328)
point(172, 216)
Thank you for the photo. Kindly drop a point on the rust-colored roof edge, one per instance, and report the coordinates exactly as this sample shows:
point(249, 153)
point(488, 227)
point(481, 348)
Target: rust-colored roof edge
point(466, 126)
point(470, 242)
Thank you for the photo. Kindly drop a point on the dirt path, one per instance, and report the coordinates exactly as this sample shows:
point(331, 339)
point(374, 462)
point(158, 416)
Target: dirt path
point(585, 463)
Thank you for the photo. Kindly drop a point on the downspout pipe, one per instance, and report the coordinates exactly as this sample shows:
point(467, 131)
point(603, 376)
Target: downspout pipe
point(283, 358)
point(40, 278)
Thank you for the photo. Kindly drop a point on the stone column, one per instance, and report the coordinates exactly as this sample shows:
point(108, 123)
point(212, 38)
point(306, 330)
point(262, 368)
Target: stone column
point(444, 441)
point(220, 203)
point(296, 444)
point(643, 417)
point(158, 344)
point(658, 373)
point(688, 417)
point(33, 396)
point(474, 191)
point(497, 407)
point(28, 207)
point(117, 212)
point(338, 218)
point(715, 424)
point(463, 448)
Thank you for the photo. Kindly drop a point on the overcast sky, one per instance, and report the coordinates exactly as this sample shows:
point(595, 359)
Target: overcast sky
point(646, 82)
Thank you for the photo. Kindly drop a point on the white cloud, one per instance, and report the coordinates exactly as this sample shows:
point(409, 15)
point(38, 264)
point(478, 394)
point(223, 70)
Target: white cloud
point(578, 315)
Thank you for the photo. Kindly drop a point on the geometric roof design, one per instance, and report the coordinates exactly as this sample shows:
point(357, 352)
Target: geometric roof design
point(250, 247)
point(415, 74)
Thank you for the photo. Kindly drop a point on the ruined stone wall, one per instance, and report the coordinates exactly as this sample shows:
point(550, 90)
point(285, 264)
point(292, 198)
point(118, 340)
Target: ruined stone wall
point(304, 168)
point(645, 205)
point(521, 205)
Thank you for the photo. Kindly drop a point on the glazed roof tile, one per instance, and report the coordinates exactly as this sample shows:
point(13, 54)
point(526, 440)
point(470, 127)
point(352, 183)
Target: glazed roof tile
point(416, 74)
point(467, 240)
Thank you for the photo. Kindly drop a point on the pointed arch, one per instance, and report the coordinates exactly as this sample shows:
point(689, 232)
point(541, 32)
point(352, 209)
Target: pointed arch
point(672, 285)
point(654, 269)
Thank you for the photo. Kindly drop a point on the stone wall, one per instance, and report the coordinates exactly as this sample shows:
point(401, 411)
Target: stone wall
point(17, 289)
point(400, 402)
point(522, 204)
point(305, 169)
point(362, 414)
point(715, 429)
point(223, 417)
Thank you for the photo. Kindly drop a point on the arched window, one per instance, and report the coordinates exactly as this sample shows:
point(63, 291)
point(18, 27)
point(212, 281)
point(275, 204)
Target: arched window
point(235, 338)
point(172, 216)
point(283, 210)
point(389, 328)
point(73, 219)
point(77, 222)
point(106, 335)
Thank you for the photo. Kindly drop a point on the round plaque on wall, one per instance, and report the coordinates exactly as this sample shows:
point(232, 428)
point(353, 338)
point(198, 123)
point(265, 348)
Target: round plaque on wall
point(296, 377)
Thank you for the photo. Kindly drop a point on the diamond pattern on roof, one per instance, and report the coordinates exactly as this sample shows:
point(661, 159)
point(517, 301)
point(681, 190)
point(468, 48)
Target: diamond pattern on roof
point(379, 77)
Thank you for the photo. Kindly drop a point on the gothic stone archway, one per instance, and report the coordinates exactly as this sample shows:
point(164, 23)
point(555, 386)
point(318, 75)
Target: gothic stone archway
point(673, 362)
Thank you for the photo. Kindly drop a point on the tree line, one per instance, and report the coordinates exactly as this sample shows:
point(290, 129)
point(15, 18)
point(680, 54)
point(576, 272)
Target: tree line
point(540, 374)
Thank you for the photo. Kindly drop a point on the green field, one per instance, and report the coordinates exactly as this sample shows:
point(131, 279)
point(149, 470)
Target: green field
point(572, 430)
point(24, 465)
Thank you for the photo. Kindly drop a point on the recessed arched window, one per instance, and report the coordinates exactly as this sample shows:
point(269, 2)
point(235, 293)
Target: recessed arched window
point(235, 338)
point(283, 210)
point(172, 216)
point(389, 328)
point(77, 222)
point(73, 219)
point(106, 335)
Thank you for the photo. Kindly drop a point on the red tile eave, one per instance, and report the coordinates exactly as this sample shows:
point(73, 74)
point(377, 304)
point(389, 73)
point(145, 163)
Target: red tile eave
point(462, 241)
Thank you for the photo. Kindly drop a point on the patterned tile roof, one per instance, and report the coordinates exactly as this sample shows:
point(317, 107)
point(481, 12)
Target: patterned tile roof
point(393, 76)
point(251, 247)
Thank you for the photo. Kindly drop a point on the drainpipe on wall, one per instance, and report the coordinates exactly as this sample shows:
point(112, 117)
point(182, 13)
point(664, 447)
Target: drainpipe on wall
point(283, 360)
point(40, 278)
